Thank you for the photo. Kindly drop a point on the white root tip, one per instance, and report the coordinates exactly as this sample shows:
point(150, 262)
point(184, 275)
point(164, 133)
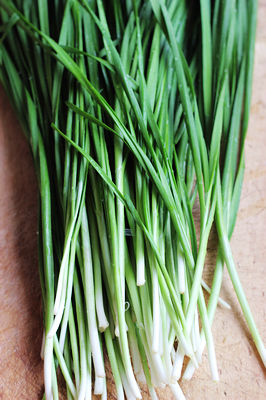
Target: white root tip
point(140, 376)
point(188, 372)
point(262, 352)
point(133, 384)
point(116, 330)
point(140, 281)
point(178, 363)
point(98, 385)
point(177, 391)
point(220, 300)
point(103, 326)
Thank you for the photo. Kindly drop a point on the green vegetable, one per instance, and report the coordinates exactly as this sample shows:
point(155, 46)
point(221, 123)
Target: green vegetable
point(133, 111)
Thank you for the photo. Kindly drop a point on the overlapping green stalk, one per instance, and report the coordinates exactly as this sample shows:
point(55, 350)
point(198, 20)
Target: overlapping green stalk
point(131, 111)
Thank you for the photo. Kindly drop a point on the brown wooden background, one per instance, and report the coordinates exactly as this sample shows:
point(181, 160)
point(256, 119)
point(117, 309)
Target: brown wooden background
point(242, 375)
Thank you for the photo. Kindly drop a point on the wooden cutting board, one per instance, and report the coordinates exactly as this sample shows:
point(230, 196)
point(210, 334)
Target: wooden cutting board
point(242, 375)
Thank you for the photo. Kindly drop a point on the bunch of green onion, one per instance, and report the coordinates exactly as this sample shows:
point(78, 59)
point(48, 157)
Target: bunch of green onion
point(134, 112)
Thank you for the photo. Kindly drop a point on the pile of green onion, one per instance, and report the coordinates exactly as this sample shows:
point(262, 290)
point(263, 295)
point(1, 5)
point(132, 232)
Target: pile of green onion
point(135, 112)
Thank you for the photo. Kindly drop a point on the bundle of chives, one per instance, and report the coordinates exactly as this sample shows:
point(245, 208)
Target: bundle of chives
point(146, 107)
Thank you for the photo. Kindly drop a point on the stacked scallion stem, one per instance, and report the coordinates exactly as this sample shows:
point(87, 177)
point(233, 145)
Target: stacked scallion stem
point(134, 111)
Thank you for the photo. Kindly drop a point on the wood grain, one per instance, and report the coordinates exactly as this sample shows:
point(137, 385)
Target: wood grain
point(242, 375)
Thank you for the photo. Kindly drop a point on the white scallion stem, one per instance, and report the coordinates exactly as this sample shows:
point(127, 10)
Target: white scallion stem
point(156, 311)
point(102, 320)
point(63, 367)
point(140, 257)
point(120, 210)
point(140, 244)
point(157, 370)
point(193, 338)
point(177, 391)
point(83, 376)
point(171, 338)
point(104, 393)
point(69, 285)
point(262, 352)
point(97, 269)
point(88, 394)
point(141, 376)
point(74, 346)
point(58, 318)
point(124, 377)
point(127, 388)
point(186, 346)
point(155, 283)
point(110, 345)
point(55, 394)
point(60, 285)
point(160, 368)
point(133, 384)
point(163, 320)
point(207, 331)
point(178, 364)
point(98, 385)
point(152, 362)
point(116, 328)
point(48, 360)
point(189, 372)
point(90, 299)
point(42, 347)
point(64, 263)
point(197, 335)
point(117, 334)
point(213, 366)
point(133, 345)
point(190, 367)
point(166, 352)
point(181, 270)
point(154, 379)
point(103, 238)
point(220, 300)
point(173, 354)
point(161, 339)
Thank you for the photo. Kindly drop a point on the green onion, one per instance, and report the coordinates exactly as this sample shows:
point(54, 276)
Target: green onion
point(134, 112)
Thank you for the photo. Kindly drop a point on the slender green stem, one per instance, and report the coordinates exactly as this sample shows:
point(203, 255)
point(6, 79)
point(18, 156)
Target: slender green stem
point(228, 257)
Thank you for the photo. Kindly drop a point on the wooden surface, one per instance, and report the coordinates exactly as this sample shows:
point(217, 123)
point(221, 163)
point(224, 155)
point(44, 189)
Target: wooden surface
point(242, 375)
